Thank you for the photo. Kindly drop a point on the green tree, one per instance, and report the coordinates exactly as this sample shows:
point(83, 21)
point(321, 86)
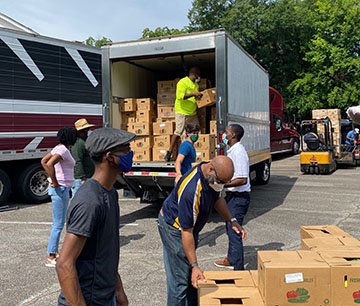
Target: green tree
point(332, 78)
point(162, 31)
point(98, 43)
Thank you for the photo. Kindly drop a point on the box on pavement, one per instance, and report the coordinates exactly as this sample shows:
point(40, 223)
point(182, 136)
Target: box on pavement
point(145, 116)
point(165, 111)
point(255, 276)
point(140, 128)
point(166, 86)
point(204, 155)
point(145, 104)
point(228, 278)
point(163, 128)
point(345, 276)
point(293, 277)
point(142, 155)
point(140, 143)
point(322, 231)
point(166, 99)
point(317, 244)
point(229, 296)
point(162, 141)
point(208, 98)
point(159, 154)
point(205, 142)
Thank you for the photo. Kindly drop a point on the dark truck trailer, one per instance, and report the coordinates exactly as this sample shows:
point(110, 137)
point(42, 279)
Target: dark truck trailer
point(132, 69)
point(45, 84)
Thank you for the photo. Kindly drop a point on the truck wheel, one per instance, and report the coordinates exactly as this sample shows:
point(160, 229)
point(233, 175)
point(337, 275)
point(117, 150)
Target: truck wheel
point(33, 184)
point(263, 173)
point(5, 187)
point(295, 147)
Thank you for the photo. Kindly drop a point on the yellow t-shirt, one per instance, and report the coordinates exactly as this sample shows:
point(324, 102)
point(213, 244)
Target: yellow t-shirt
point(185, 107)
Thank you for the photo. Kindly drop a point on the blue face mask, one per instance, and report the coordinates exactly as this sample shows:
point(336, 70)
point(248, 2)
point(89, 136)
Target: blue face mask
point(224, 139)
point(125, 161)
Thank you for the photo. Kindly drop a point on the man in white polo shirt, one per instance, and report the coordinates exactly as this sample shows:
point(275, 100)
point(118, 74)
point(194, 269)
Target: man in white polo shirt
point(237, 195)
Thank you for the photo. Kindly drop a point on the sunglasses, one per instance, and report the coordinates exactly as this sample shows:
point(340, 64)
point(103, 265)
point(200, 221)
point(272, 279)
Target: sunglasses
point(217, 179)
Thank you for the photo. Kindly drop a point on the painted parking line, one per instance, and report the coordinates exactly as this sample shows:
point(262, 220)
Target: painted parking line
point(37, 296)
point(49, 223)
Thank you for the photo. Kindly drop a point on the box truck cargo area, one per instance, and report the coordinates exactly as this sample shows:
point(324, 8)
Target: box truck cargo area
point(148, 70)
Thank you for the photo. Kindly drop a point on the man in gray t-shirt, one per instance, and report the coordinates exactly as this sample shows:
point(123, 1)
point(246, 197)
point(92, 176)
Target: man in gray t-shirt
point(87, 267)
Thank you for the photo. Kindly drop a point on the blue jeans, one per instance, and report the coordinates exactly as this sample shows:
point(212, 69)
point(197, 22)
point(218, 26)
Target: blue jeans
point(180, 292)
point(76, 185)
point(59, 200)
point(113, 302)
point(238, 204)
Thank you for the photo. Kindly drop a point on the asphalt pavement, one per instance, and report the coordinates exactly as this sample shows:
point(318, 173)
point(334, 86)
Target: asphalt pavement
point(276, 213)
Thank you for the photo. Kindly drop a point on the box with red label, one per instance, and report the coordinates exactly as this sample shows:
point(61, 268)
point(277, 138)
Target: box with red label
point(140, 129)
point(142, 155)
point(144, 142)
point(294, 277)
point(166, 99)
point(162, 142)
point(159, 154)
point(127, 105)
point(145, 104)
point(204, 155)
point(205, 142)
point(165, 112)
point(145, 116)
point(163, 128)
point(208, 98)
point(166, 86)
point(345, 276)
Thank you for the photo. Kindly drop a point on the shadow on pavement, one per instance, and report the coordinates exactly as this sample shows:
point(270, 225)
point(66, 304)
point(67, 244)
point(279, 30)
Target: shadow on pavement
point(250, 253)
point(149, 211)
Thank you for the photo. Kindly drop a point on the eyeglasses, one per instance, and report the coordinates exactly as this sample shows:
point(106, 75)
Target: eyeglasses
point(217, 179)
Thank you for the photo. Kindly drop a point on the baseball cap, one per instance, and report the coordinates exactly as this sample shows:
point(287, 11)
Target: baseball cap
point(103, 139)
point(82, 124)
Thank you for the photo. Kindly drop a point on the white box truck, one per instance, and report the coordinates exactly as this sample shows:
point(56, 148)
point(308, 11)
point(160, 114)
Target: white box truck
point(132, 69)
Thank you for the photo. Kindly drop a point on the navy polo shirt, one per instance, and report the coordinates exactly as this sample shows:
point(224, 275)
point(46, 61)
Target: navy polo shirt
point(190, 203)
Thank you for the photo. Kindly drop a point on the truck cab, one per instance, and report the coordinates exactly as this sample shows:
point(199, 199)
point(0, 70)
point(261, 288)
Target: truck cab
point(283, 136)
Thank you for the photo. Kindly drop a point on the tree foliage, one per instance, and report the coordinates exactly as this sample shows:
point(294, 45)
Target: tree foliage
point(162, 31)
point(98, 43)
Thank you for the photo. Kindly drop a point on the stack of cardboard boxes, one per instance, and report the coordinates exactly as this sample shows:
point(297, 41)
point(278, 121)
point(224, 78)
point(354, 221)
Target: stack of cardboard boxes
point(325, 272)
point(154, 122)
point(335, 116)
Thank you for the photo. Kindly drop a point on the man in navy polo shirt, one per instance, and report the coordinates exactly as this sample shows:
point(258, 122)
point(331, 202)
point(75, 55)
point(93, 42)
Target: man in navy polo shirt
point(183, 215)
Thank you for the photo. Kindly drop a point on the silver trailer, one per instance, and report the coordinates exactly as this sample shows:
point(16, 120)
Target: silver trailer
point(131, 69)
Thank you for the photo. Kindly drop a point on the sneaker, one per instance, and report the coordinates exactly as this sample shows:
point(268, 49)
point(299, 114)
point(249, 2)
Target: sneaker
point(224, 263)
point(167, 156)
point(50, 262)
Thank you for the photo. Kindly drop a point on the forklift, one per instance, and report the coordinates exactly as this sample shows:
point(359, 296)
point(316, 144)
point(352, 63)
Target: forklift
point(318, 154)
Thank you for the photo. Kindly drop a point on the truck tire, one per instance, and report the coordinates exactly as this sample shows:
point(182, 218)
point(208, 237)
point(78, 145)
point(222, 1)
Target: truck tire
point(295, 147)
point(33, 184)
point(5, 187)
point(263, 173)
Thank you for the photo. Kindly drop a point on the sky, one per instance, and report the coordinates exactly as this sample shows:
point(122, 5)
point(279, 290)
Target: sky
point(118, 20)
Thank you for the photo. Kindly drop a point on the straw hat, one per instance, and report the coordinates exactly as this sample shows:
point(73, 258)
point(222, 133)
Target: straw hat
point(82, 124)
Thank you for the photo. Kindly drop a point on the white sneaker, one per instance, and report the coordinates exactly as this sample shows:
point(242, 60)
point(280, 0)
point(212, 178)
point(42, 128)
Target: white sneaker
point(50, 262)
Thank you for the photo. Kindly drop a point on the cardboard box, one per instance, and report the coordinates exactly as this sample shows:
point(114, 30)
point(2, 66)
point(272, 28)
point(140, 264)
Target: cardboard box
point(145, 116)
point(228, 278)
point(322, 231)
point(345, 276)
point(127, 105)
point(166, 86)
point(166, 99)
point(204, 155)
point(255, 276)
point(316, 244)
point(162, 142)
point(166, 112)
point(205, 142)
point(159, 154)
point(163, 128)
point(142, 155)
point(208, 98)
point(145, 142)
point(128, 117)
point(145, 104)
point(289, 277)
point(213, 127)
point(229, 296)
point(140, 129)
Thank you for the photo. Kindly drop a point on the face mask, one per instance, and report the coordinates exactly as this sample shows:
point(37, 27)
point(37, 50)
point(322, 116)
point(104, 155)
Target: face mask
point(224, 139)
point(125, 161)
point(217, 187)
point(197, 80)
point(194, 137)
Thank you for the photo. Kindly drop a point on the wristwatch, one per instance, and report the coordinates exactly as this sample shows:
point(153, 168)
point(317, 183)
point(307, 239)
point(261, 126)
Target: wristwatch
point(194, 264)
point(233, 220)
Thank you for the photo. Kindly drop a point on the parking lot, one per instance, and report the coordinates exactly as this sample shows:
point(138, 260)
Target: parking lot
point(277, 211)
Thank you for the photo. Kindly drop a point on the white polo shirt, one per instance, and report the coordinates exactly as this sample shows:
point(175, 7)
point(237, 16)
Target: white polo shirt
point(240, 159)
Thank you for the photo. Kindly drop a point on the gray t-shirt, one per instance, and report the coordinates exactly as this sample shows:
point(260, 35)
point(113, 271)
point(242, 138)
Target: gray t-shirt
point(94, 214)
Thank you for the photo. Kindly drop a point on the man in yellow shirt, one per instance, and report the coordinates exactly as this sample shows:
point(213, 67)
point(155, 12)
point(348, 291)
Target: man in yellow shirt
point(187, 92)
